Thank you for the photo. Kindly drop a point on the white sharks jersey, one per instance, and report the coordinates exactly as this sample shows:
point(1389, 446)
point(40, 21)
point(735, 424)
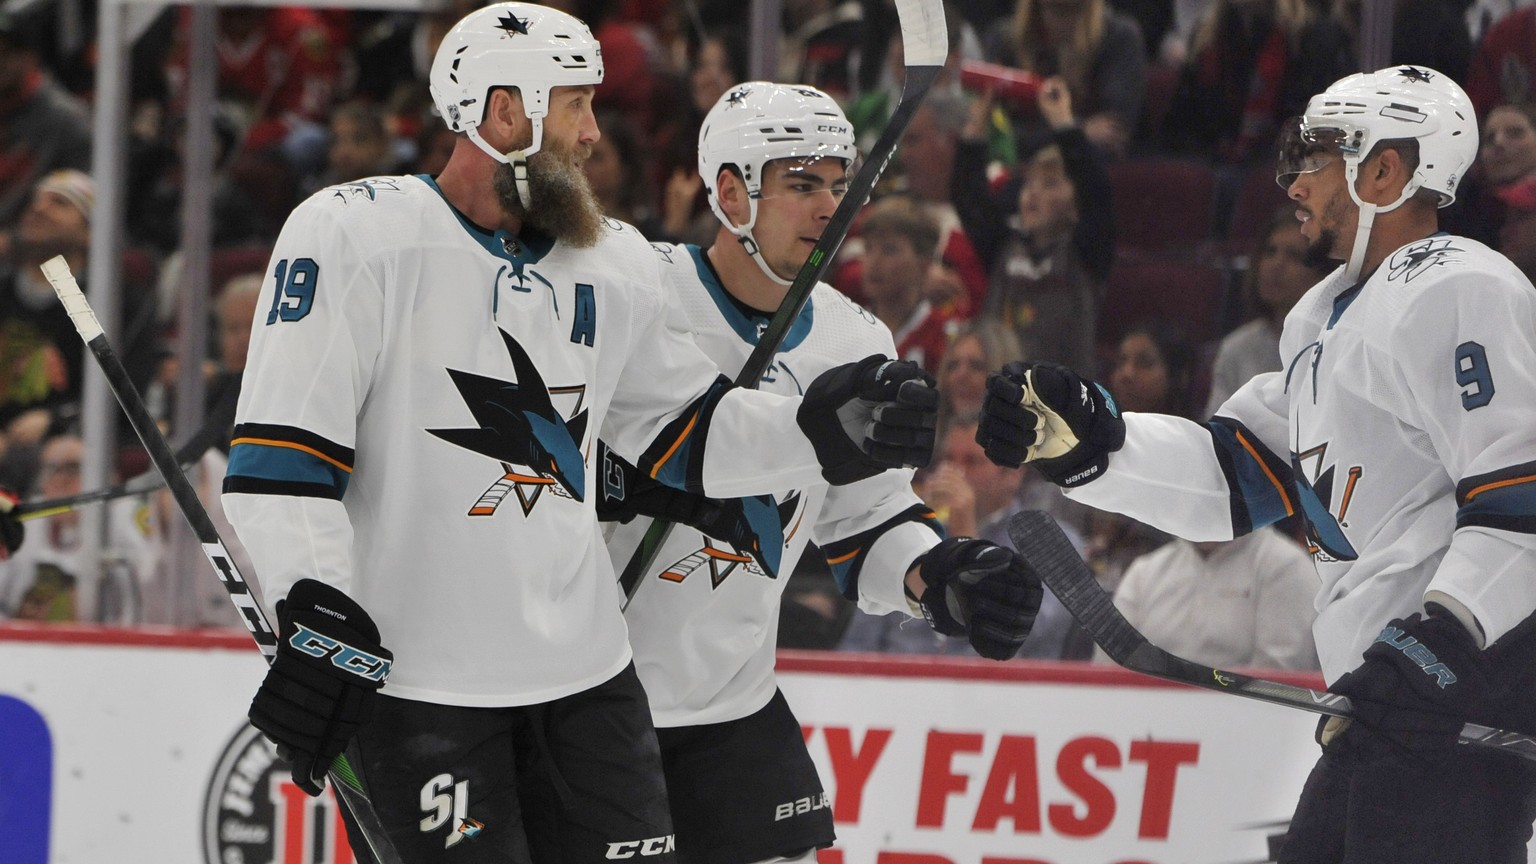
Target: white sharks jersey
point(704, 619)
point(418, 418)
point(1402, 426)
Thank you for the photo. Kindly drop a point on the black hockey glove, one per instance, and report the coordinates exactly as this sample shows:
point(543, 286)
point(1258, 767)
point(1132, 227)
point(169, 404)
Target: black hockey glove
point(863, 418)
point(12, 532)
point(1422, 679)
point(628, 492)
point(978, 589)
point(321, 687)
point(1046, 415)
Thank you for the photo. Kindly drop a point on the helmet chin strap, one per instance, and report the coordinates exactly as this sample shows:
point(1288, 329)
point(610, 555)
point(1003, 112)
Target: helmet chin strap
point(518, 159)
point(749, 242)
point(1367, 218)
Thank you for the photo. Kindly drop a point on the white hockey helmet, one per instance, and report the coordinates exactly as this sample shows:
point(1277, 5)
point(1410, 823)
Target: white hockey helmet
point(533, 48)
point(757, 122)
point(1400, 102)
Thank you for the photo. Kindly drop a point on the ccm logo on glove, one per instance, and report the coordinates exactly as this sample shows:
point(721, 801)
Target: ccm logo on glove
point(343, 656)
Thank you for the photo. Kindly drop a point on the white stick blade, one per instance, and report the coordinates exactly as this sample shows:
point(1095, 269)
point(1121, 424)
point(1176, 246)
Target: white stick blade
point(924, 35)
point(56, 269)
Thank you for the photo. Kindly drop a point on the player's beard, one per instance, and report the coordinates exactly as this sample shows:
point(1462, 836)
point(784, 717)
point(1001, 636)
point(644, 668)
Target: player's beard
point(563, 203)
point(1319, 254)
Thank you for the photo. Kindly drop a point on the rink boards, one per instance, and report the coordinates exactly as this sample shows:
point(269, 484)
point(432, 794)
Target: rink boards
point(132, 746)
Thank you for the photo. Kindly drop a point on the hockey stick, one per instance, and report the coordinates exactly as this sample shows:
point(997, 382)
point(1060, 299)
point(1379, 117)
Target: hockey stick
point(217, 424)
point(1049, 553)
point(349, 789)
point(924, 44)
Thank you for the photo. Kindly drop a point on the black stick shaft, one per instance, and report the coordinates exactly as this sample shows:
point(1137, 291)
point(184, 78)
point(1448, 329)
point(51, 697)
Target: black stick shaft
point(344, 780)
point(1050, 554)
point(188, 453)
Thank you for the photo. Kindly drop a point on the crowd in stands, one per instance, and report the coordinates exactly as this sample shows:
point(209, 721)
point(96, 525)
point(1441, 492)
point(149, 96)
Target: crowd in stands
point(1120, 217)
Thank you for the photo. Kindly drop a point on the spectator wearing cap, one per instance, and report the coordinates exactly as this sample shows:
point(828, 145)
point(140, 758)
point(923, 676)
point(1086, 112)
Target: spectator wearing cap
point(42, 127)
point(57, 221)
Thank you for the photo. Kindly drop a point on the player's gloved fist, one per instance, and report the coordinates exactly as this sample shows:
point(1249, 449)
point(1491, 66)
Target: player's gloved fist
point(12, 532)
point(749, 525)
point(1046, 415)
point(1422, 679)
point(863, 418)
point(321, 687)
point(978, 589)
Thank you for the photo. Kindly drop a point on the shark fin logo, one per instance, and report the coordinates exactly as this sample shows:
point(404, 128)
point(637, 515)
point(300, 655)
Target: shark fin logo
point(761, 533)
point(1325, 532)
point(1420, 257)
point(521, 429)
point(363, 190)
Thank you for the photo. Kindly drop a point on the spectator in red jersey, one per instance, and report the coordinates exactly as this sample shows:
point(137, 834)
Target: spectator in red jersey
point(1508, 160)
point(282, 67)
point(631, 58)
point(1503, 67)
point(900, 251)
point(924, 169)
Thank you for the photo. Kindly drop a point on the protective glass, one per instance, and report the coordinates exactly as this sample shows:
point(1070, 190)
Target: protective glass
point(1306, 149)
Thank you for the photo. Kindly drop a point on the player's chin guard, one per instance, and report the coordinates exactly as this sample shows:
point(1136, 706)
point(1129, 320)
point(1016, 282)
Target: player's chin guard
point(1422, 680)
point(980, 590)
point(12, 531)
point(1044, 414)
point(866, 417)
point(321, 686)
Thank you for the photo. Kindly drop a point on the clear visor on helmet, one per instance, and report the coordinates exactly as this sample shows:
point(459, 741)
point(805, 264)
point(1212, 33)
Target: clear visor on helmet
point(801, 175)
point(1305, 149)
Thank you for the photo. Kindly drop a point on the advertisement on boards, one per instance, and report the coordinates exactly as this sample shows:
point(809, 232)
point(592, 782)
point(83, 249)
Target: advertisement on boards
point(133, 746)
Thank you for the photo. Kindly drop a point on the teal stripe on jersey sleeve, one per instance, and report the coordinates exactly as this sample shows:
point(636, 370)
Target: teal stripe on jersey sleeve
point(1500, 499)
point(1260, 483)
point(845, 557)
point(676, 457)
point(274, 469)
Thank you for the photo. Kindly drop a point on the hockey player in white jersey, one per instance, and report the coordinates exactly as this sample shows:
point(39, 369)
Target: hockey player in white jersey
point(703, 615)
point(1403, 427)
point(413, 468)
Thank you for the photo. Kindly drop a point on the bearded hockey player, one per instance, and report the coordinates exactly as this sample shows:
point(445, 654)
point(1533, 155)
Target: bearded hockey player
point(413, 467)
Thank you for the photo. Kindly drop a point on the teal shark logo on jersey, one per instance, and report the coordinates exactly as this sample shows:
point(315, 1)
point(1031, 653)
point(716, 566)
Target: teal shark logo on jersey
point(1417, 258)
point(763, 532)
point(1323, 529)
point(519, 426)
